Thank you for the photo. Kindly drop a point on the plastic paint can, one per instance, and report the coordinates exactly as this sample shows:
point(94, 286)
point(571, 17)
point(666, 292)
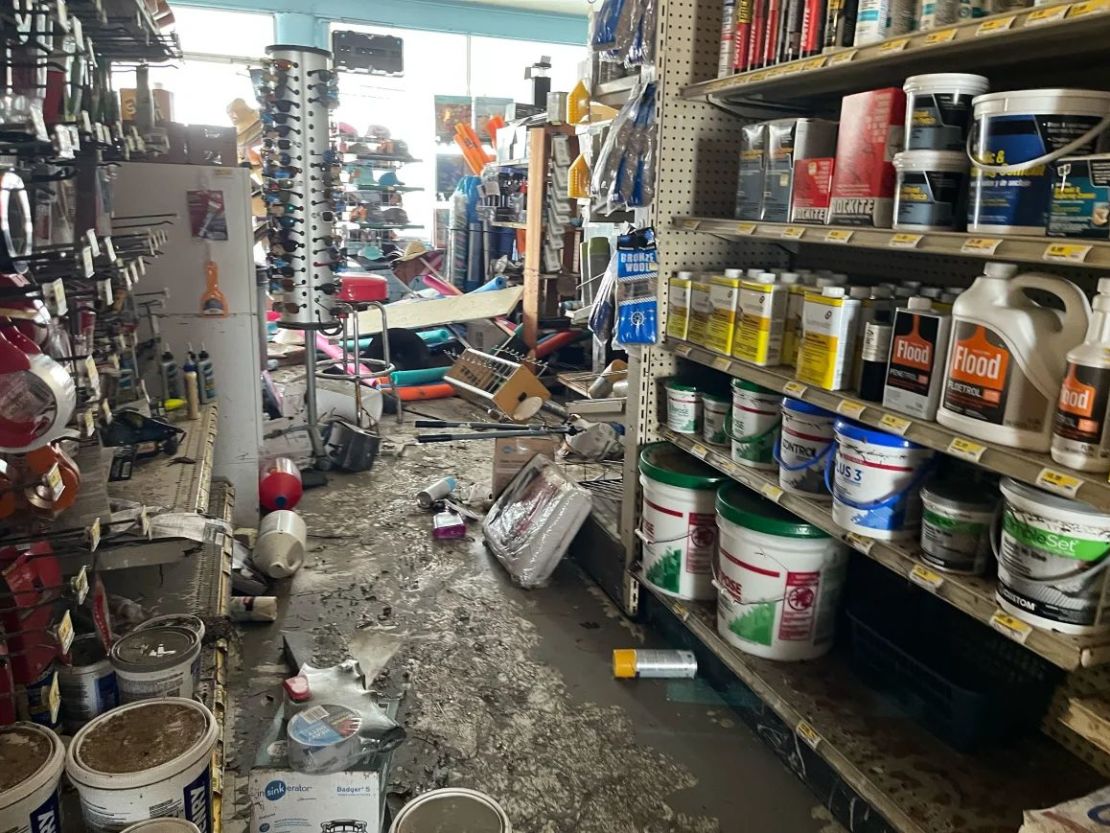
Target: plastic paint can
point(88, 686)
point(876, 483)
point(1017, 136)
point(779, 580)
point(929, 195)
point(31, 762)
point(1052, 559)
point(163, 826)
point(143, 759)
point(156, 662)
point(756, 417)
point(807, 441)
point(956, 522)
point(715, 419)
point(684, 404)
point(679, 524)
point(938, 105)
point(452, 808)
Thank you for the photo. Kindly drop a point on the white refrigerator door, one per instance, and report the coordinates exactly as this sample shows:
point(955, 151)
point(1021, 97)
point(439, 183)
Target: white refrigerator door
point(143, 189)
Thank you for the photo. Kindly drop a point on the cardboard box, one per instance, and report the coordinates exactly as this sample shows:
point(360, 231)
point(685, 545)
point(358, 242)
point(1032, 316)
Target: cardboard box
point(787, 140)
point(1080, 204)
point(510, 456)
point(163, 105)
point(484, 335)
point(749, 185)
point(871, 129)
point(809, 202)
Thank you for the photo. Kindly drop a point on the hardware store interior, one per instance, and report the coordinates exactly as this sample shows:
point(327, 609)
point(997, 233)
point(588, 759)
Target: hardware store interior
point(555, 416)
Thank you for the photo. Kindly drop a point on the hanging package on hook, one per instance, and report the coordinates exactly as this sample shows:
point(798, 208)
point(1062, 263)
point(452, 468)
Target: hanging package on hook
point(625, 171)
point(625, 31)
point(637, 301)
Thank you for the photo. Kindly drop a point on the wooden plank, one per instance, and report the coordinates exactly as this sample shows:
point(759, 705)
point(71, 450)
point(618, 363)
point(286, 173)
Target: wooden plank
point(539, 146)
point(462, 308)
point(1089, 717)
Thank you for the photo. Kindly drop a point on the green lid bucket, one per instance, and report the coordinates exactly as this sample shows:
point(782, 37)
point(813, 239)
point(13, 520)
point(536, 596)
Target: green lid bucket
point(752, 387)
point(747, 509)
point(671, 465)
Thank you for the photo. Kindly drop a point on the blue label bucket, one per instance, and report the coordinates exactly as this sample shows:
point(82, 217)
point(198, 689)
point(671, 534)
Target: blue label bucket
point(876, 487)
point(804, 447)
point(1015, 138)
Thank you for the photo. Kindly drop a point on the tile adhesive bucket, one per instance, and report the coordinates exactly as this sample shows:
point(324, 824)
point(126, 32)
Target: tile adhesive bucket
point(803, 449)
point(679, 526)
point(1016, 136)
point(453, 808)
point(156, 662)
point(876, 485)
point(779, 579)
point(148, 758)
point(956, 522)
point(1052, 558)
point(756, 417)
point(716, 420)
point(31, 761)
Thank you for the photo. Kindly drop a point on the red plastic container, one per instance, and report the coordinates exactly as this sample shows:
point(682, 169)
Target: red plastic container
point(279, 484)
point(32, 581)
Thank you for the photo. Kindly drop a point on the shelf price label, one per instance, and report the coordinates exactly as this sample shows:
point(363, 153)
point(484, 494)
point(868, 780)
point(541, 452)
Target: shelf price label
point(850, 408)
point(968, 450)
point(721, 363)
point(1066, 252)
point(838, 235)
point(94, 244)
point(1057, 481)
point(772, 492)
point(845, 57)
point(54, 695)
point(64, 634)
point(980, 245)
point(1047, 14)
point(92, 374)
point(699, 450)
point(92, 535)
point(80, 585)
point(745, 229)
point(922, 576)
point(808, 734)
point(110, 249)
point(1010, 626)
point(689, 224)
point(793, 232)
point(859, 543)
point(998, 24)
point(895, 45)
point(53, 480)
point(795, 389)
point(87, 262)
point(88, 421)
point(897, 424)
point(812, 63)
point(902, 240)
point(940, 36)
point(1089, 7)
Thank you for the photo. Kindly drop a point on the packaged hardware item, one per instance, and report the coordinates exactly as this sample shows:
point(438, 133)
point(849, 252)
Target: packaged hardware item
point(773, 29)
point(873, 21)
point(931, 190)
point(728, 39)
point(829, 321)
point(678, 305)
point(812, 190)
point(762, 320)
point(741, 52)
point(791, 39)
point(938, 109)
point(871, 126)
point(840, 24)
point(1080, 205)
point(932, 14)
point(637, 302)
point(813, 27)
point(723, 295)
point(787, 140)
point(918, 348)
point(755, 34)
point(749, 189)
point(1081, 432)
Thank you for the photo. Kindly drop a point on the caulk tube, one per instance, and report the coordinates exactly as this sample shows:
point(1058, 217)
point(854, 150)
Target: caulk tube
point(742, 36)
point(813, 26)
point(756, 33)
point(727, 56)
point(840, 24)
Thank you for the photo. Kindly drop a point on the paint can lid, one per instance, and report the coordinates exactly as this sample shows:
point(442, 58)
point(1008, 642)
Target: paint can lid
point(26, 752)
point(863, 434)
point(154, 649)
point(671, 384)
point(734, 273)
point(672, 466)
point(800, 406)
point(452, 808)
point(967, 494)
point(919, 302)
point(743, 507)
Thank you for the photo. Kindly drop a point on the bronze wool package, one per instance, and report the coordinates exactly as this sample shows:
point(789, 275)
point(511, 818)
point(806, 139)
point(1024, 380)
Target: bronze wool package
point(871, 128)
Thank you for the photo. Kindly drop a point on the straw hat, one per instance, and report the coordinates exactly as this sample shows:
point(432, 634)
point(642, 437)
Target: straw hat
point(414, 250)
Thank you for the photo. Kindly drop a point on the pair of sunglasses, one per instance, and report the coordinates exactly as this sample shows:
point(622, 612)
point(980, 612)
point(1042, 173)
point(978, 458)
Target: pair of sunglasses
point(280, 130)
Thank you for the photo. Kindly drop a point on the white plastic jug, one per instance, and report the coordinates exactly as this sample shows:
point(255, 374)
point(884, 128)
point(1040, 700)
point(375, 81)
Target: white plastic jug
point(1007, 356)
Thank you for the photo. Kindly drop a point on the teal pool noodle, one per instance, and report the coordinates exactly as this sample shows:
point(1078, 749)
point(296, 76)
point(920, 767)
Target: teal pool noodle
point(403, 378)
point(436, 336)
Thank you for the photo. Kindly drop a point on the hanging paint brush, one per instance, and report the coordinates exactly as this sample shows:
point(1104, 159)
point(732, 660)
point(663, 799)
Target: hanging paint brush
point(213, 301)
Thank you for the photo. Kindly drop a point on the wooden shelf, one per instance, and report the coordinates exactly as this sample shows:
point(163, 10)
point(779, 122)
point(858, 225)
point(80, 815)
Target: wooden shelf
point(970, 594)
point(917, 783)
point(1056, 251)
point(1036, 469)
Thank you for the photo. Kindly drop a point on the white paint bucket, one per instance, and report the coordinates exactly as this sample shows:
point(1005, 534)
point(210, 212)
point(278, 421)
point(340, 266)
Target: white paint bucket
point(715, 419)
point(779, 580)
point(1052, 559)
point(151, 758)
point(88, 686)
point(876, 487)
point(453, 808)
point(163, 826)
point(279, 548)
point(31, 760)
point(938, 109)
point(804, 447)
point(179, 620)
point(756, 417)
point(684, 405)
point(678, 526)
point(156, 662)
point(956, 524)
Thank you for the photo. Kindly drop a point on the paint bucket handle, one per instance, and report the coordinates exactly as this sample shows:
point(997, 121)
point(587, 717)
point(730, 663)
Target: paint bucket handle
point(755, 439)
point(882, 502)
point(808, 464)
point(651, 542)
point(1095, 567)
point(1052, 156)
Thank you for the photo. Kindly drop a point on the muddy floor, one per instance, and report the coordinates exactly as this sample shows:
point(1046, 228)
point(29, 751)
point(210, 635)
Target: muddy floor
point(503, 690)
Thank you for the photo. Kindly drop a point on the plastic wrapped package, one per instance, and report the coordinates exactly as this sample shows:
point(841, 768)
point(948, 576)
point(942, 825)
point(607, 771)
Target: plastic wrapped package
point(601, 317)
point(606, 22)
point(1089, 813)
point(642, 50)
point(531, 525)
point(625, 170)
point(463, 212)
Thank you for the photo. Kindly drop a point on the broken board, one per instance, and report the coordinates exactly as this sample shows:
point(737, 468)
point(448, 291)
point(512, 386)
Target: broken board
point(416, 315)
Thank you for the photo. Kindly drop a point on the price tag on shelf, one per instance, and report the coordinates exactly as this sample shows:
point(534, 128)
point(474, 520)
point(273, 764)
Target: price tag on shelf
point(1047, 14)
point(88, 422)
point(772, 492)
point(808, 734)
point(996, 24)
point(732, 469)
point(689, 224)
point(1011, 626)
point(980, 245)
point(140, 265)
point(922, 576)
point(902, 240)
point(87, 262)
point(845, 57)
point(721, 363)
point(793, 232)
point(54, 482)
point(94, 244)
point(897, 424)
point(92, 535)
point(144, 522)
point(86, 122)
point(838, 235)
point(859, 543)
point(795, 389)
point(757, 76)
point(65, 636)
point(1057, 481)
point(54, 694)
point(940, 36)
point(967, 449)
point(110, 249)
point(895, 45)
point(1066, 252)
point(698, 450)
point(80, 585)
point(1088, 7)
point(54, 293)
point(745, 229)
point(812, 63)
point(850, 408)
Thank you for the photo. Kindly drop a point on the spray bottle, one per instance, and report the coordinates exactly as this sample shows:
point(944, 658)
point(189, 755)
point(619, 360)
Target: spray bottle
point(1080, 432)
point(207, 376)
point(192, 388)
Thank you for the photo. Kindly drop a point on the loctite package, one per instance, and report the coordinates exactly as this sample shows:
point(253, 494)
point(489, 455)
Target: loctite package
point(749, 186)
point(742, 38)
point(812, 190)
point(756, 34)
point(787, 140)
point(871, 128)
point(813, 27)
